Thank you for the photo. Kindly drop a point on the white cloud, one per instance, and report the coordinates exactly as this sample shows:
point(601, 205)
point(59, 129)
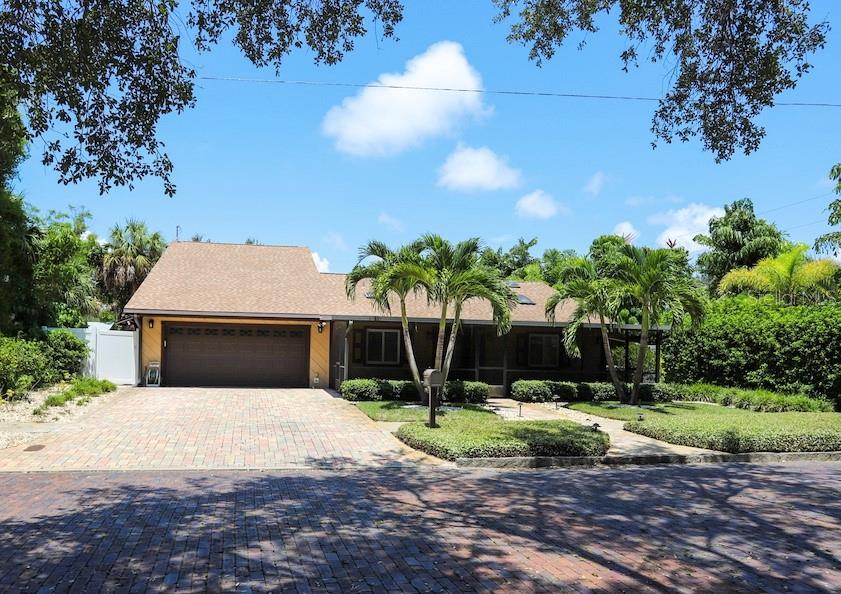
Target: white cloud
point(538, 205)
point(468, 169)
point(323, 264)
point(383, 121)
point(685, 223)
point(626, 229)
point(337, 241)
point(389, 221)
point(595, 184)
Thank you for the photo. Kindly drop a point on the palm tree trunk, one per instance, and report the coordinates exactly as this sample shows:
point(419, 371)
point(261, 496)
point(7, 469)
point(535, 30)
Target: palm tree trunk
point(643, 349)
point(442, 335)
point(451, 346)
point(410, 351)
point(611, 367)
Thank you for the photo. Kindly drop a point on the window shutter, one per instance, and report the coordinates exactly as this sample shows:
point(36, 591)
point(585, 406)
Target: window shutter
point(358, 349)
point(522, 356)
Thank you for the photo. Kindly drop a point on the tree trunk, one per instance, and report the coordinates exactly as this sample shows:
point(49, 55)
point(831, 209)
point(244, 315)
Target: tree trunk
point(442, 335)
point(451, 345)
point(643, 349)
point(614, 376)
point(410, 351)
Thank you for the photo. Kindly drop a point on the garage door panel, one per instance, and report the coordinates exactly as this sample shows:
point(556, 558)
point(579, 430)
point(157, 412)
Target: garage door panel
point(231, 355)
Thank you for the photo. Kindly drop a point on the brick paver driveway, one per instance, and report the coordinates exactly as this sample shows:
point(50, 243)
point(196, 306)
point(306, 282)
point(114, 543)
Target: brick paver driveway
point(704, 528)
point(195, 428)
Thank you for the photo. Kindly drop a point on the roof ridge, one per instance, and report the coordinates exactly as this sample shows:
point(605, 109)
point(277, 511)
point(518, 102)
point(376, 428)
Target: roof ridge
point(272, 245)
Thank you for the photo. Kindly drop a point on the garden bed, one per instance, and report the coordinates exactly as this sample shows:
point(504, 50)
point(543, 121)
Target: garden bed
point(476, 433)
point(726, 429)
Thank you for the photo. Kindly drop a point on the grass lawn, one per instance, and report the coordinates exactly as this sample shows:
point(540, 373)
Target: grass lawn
point(476, 433)
point(396, 411)
point(726, 429)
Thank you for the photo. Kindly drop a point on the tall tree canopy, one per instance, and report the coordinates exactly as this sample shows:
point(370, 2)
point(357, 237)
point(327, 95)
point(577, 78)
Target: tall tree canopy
point(730, 58)
point(95, 77)
point(737, 240)
point(831, 242)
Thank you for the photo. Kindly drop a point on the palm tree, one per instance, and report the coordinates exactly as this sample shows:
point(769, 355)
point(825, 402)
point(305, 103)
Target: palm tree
point(660, 284)
point(377, 264)
point(454, 275)
point(130, 254)
point(790, 277)
point(593, 296)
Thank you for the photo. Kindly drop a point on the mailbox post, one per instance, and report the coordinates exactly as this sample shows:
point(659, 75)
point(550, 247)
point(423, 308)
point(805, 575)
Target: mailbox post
point(432, 378)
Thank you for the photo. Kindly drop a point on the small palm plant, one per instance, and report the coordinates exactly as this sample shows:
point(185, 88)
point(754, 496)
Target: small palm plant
point(594, 296)
point(791, 277)
point(390, 274)
point(660, 284)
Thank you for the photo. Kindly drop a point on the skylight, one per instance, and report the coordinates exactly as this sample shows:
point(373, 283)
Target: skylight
point(523, 300)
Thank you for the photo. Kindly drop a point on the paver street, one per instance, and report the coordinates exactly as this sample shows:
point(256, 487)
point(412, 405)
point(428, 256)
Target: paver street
point(705, 528)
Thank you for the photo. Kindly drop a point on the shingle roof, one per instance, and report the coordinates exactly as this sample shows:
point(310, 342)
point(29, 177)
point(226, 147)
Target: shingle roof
point(282, 281)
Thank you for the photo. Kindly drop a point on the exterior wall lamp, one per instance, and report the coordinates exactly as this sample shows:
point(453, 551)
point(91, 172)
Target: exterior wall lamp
point(321, 326)
point(151, 322)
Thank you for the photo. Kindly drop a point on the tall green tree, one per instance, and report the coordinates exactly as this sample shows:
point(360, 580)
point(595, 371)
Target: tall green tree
point(737, 240)
point(831, 242)
point(129, 256)
point(594, 296)
point(391, 274)
point(659, 283)
point(792, 277)
point(64, 282)
point(514, 261)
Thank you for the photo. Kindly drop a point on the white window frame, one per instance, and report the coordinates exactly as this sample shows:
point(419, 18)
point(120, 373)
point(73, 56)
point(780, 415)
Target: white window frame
point(543, 337)
point(383, 332)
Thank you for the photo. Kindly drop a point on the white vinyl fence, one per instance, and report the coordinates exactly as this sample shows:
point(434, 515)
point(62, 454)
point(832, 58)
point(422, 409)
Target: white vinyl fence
point(113, 353)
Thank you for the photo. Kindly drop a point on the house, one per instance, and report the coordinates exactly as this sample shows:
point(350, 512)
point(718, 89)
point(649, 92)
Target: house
point(216, 314)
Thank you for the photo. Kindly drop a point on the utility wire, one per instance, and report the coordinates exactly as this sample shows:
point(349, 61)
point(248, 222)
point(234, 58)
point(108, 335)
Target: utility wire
point(321, 83)
point(793, 203)
point(804, 225)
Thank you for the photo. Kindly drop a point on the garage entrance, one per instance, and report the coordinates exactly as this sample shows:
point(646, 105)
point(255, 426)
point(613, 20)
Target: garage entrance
point(247, 355)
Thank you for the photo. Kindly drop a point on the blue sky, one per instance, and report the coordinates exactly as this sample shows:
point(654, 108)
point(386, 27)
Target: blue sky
point(332, 167)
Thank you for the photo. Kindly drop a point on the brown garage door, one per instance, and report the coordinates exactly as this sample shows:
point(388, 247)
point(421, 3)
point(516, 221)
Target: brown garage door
point(236, 355)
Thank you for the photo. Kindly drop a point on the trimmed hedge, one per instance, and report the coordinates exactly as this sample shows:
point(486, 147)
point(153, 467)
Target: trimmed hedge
point(745, 431)
point(478, 434)
point(377, 389)
point(757, 343)
point(757, 400)
point(466, 391)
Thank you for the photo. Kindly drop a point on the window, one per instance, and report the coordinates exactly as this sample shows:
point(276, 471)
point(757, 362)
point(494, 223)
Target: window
point(383, 347)
point(544, 350)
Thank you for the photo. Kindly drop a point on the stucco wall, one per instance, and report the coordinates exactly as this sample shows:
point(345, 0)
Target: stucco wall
point(150, 344)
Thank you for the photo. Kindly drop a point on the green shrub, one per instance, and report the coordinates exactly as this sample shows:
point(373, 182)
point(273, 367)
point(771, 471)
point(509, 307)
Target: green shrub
point(757, 343)
point(531, 391)
point(596, 391)
point(66, 353)
point(403, 390)
point(478, 433)
point(564, 390)
point(365, 389)
point(85, 387)
point(756, 400)
point(24, 364)
point(466, 391)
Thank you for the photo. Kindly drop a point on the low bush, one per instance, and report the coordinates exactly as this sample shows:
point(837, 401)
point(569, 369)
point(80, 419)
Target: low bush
point(756, 400)
point(365, 389)
point(24, 365)
point(531, 391)
point(746, 431)
point(403, 390)
point(596, 391)
point(66, 353)
point(85, 387)
point(477, 434)
point(466, 391)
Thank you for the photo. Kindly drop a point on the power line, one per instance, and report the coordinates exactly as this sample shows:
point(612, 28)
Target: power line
point(793, 203)
point(321, 83)
point(804, 225)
